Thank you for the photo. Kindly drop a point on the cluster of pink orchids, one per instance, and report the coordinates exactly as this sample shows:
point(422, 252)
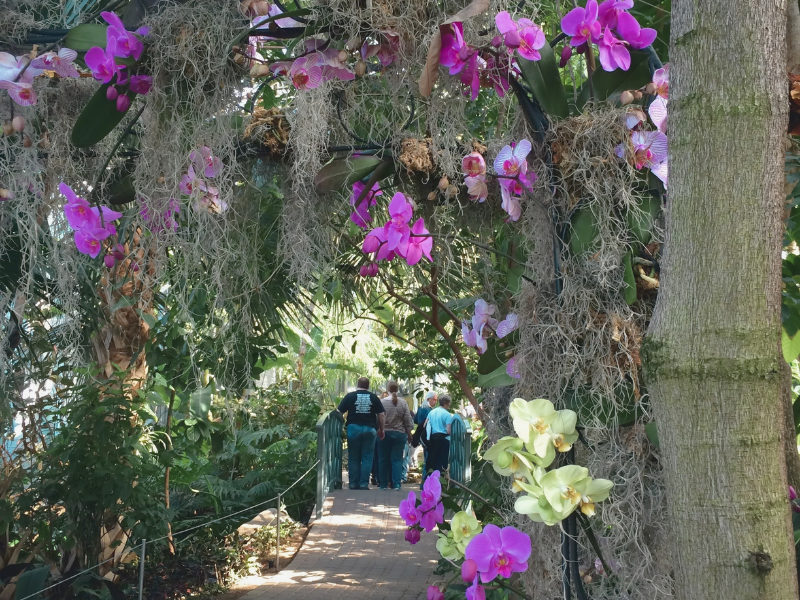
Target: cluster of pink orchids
point(120, 43)
point(495, 552)
point(597, 25)
point(484, 325)
point(649, 148)
point(91, 226)
point(397, 237)
point(203, 165)
point(17, 75)
point(511, 168)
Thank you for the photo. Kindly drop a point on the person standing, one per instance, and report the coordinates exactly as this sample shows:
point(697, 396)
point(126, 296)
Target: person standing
point(422, 414)
point(398, 433)
point(365, 423)
point(437, 426)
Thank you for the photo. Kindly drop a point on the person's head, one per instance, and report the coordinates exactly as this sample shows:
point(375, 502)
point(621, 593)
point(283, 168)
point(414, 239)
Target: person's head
point(430, 398)
point(363, 383)
point(445, 401)
point(393, 388)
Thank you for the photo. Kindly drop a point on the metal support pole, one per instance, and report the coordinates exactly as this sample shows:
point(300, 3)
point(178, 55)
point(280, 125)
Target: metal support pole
point(141, 568)
point(278, 537)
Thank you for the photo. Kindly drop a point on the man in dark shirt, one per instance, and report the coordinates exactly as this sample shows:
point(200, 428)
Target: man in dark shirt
point(365, 419)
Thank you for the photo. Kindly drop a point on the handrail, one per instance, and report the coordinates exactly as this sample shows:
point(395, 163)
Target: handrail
point(329, 456)
point(460, 450)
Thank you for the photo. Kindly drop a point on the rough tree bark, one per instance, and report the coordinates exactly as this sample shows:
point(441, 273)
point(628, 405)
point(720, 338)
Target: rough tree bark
point(712, 355)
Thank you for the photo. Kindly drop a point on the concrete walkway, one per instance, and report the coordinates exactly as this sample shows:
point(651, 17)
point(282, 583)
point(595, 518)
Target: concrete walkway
point(357, 550)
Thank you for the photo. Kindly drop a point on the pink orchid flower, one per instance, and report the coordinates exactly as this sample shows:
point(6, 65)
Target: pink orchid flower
point(581, 24)
point(629, 30)
point(499, 552)
point(523, 35)
point(473, 164)
point(165, 221)
point(11, 69)
point(305, 73)
point(476, 591)
point(661, 81)
point(101, 62)
point(483, 313)
point(477, 188)
point(374, 240)
point(361, 214)
point(386, 51)
point(471, 75)
point(510, 204)
point(189, 181)
point(109, 216)
point(283, 23)
point(21, 93)
point(397, 230)
point(455, 52)
point(77, 210)
point(609, 10)
point(61, 63)
point(613, 53)
point(469, 570)
point(473, 339)
point(126, 42)
point(204, 161)
point(408, 510)
point(430, 518)
point(431, 493)
point(634, 118)
point(419, 244)
point(141, 84)
point(511, 368)
point(496, 75)
point(434, 593)
point(507, 325)
point(658, 113)
point(650, 150)
point(511, 162)
point(89, 240)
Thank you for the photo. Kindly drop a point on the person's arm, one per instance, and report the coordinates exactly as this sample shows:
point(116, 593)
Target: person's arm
point(408, 422)
point(381, 424)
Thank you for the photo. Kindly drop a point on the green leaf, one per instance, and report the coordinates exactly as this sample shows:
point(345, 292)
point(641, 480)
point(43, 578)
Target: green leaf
point(583, 232)
point(495, 354)
point(84, 37)
point(607, 84)
point(200, 402)
point(31, 583)
point(628, 279)
point(497, 378)
point(344, 171)
point(97, 120)
point(544, 79)
point(790, 346)
point(652, 434)
point(121, 191)
point(640, 222)
point(382, 171)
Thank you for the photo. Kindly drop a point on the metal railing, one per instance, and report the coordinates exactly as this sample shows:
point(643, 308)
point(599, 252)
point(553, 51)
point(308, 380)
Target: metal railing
point(460, 450)
point(329, 456)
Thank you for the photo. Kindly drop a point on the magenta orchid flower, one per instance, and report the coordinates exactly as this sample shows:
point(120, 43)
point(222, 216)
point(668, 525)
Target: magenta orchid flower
point(473, 164)
point(77, 210)
point(397, 230)
point(658, 113)
point(507, 325)
point(21, 93)
point(61, 63)
point(661, 81)
point(430, 518)
point(109, 216)
point(431, 492)
point(408, 510)
point(434, 593)
point(189, 181)
point(476, 591)
point(305, 74)
point(496, 75)
point(566, 54)
point(581, 24)
point(412, 536)
point(613, 53)
point(471, 75)
point(204, 161)
point(609, 10)
point(141, 84)
point(523, 35)
point(455, 52)
point(386, 51)
point(374, 240)
point(126, 42)
point(89, 240)
point(101, 62)
point(499, 552)
point(370, 270)
point(361, 214)
point(419, 244)
point(629, 29)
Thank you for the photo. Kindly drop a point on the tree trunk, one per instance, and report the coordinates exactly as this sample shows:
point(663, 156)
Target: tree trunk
point(712, 354)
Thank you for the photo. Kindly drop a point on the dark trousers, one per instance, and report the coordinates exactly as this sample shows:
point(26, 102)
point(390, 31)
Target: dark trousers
point(438, 453)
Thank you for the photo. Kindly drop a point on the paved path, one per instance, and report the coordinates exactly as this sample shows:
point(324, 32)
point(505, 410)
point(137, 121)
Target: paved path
point(357, 550)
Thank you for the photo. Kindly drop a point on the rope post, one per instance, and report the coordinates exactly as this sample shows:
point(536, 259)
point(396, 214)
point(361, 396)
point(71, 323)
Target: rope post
point(141, 568)
point(277, 537)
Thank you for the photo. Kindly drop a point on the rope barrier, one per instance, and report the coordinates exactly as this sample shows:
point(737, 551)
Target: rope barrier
point(177, 533)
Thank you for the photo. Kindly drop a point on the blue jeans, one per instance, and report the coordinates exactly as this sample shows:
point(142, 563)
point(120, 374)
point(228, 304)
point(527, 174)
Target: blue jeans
point(391, 456)
point(360, 448)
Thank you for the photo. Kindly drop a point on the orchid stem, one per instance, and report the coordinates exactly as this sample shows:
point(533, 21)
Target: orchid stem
point(512, 590)
point(475, 494)
point(587, 527)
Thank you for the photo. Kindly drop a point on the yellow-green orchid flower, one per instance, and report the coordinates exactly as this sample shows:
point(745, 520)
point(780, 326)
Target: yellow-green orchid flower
point(543, 429)
point(592, 491)
point(535, 505)
point(571, 487)
point(448, 548)
point(464, 526)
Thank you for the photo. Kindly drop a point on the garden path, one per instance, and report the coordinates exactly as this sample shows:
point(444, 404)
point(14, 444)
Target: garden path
point(356, 550)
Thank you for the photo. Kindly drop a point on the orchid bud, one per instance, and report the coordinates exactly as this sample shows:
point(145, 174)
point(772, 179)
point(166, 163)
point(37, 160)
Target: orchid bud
point(109, 261)
point(371, 244)
point(363, 270)
point(792, 493)
point(451, 191)
point(637, 95)
point(134, 266)
point(27, 142)
point(566, 54)
point(361, 68)
point(8, 128)
point(434, 593)
point(259, 70)
point(18, 124)
point(6, 194)
point(582, 48)
point(240, 59)
point(587, 579)
point(469, 570)
point(795, 508)
point(412, 536)
point(259, 8)
point(119, 252)
point(625, 98)
point(497, 41)
point(373, 270)
point(343, 56)
point(650, 88)
point(432, 196)
point(112, 92)
point(123, 102)
point(443, 183)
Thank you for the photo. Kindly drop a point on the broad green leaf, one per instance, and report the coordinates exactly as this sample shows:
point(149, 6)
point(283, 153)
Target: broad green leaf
point(496, 353)
point(652, 433)
point(31, 583)
point(344, 171)
point(583, 232)
point(382, 171)
point(641, 222)
point(790, 346)
point(200, 402)
point(97, 120)
point(607, 84)
point(84, 37)
point(120, 191)
point(628, 279)
point(497, 378)
point(544, 80)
